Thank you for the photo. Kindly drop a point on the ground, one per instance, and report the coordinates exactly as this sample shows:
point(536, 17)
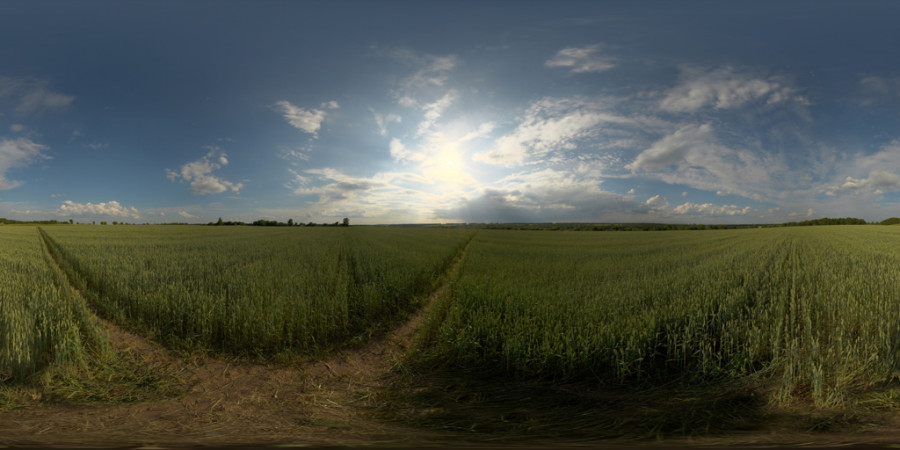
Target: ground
point(362, 395)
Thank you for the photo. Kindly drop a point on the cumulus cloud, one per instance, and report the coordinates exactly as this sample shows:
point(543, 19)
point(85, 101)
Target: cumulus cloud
point(657, 202)
point(710, 209)
point(551, 126)
point(107, 209)
point(879, 181)
point(306, 120)
point(187, 215)
point(32, 96)
point(869, 174)
point(16, 153)
point(582, 59)
point(725, 88)
point(200, 174)
point(17, 128)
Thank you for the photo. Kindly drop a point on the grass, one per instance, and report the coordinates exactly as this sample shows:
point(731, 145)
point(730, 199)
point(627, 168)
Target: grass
point(53, 348)
point(812, 312)
point(43, 323)
point(564, 336)
point(252, 291)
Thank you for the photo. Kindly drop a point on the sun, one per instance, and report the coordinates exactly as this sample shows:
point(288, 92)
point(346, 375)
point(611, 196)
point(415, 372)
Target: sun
point(447, 168)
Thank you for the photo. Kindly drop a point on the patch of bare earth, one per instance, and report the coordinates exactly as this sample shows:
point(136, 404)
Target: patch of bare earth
point(235, 401)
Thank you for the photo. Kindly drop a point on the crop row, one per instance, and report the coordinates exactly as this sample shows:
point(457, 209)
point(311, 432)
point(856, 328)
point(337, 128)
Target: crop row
point(816, 312)
point(254, 290)
point(42, 320)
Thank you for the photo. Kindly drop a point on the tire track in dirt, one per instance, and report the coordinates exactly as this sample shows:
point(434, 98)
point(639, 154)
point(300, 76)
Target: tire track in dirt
point(347, 375)
point(235, 401)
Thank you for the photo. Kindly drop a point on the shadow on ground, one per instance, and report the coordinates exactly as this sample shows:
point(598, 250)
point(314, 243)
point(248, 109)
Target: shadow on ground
point(508, 410)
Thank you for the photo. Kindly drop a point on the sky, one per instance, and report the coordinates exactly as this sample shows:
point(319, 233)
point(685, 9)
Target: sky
point(454, 111)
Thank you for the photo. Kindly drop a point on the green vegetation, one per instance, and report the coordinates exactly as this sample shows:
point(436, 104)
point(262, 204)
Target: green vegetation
point(805, 314)
point(254, 290)
point(812, 312)
point(42, 321)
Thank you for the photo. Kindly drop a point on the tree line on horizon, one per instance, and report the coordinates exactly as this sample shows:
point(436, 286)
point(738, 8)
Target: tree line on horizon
point(520, 226)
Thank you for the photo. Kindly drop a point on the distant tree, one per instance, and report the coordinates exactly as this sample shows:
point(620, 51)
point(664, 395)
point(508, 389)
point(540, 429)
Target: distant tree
point(891, 221)
point(115, 223)
point(70, 221)
point(346, 222)
point(102, 222)
point(219, 222)
point(290, 222)
point(311, 224)
point(93, 222)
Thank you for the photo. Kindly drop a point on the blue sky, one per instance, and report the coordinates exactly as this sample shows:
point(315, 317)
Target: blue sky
point(462, 111)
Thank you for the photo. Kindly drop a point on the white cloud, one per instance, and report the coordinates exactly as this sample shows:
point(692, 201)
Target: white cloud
point(433, 71)
point(17, 128)
point(672, 149)
point(434, 111)
point(41, 100)
point(879, 181)
point(710, 209)
point(545, 194)
point(430, 72)
point(339, 185)
point(107, 209)
point(582, 59)
point(724, 88)
point(484, 130)
point(187, 215)
point(199, 174)
point(16, 153)
point(402, 154)
point(657, 202)
point(294, 155)
point(306, 120)
point(869, 174)
point(692, 156)
point(383, 120)
point(32, 96)
point(551, 126)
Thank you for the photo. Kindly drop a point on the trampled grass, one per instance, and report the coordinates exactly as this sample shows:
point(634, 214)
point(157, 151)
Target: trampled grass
point(251, 290)
point(813, 311)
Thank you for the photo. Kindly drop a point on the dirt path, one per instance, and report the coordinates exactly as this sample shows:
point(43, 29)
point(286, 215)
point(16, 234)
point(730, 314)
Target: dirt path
point(233, 401)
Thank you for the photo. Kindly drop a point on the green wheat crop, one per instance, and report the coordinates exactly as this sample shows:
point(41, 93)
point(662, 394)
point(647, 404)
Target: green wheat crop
point(42, 321)
point(250, 290)
point(816, 310)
